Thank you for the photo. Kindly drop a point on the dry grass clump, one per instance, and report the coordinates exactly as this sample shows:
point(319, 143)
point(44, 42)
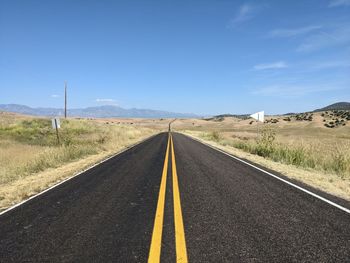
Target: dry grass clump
point(214, 136)
point(29, 146)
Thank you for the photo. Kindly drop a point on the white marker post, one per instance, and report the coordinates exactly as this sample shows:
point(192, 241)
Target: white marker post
point(56, 124)
point(260, 117)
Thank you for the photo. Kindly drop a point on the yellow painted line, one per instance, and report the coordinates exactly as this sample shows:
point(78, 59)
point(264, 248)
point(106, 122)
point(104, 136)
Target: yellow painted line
point(180, 241)
point(156, 243)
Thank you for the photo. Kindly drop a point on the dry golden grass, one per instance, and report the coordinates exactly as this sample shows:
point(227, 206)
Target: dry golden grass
point(31, 160)
point(14, 156)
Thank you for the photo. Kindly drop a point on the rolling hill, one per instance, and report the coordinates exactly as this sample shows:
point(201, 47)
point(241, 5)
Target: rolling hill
point(336, 106)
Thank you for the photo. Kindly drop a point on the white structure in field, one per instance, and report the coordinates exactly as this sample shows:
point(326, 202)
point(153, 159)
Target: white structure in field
point(56, 124)
point(259, 116)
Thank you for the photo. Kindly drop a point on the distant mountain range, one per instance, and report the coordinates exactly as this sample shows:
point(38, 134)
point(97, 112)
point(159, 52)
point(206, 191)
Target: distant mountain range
point(336, 106)
point(110, 111)
point(107, 111)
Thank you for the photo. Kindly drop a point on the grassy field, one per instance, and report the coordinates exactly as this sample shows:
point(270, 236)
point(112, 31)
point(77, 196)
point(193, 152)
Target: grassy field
point(29, 148)
point(295, 143)
point(300, 147)
point(323, 155)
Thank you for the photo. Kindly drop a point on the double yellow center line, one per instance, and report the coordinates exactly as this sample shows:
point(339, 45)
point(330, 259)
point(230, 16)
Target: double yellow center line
point(180, 242)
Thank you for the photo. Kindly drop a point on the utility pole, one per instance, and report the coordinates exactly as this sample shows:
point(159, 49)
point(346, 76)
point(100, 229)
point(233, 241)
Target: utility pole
point(65, 99)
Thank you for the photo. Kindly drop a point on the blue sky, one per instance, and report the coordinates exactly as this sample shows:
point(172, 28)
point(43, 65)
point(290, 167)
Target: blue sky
point(204, 57)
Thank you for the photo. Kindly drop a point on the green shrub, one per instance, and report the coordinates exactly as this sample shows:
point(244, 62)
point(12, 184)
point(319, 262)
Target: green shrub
point(215, 136)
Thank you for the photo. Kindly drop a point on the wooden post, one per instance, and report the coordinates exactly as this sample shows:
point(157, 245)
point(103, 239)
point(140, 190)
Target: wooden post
point(58, 137)
point(65, 99)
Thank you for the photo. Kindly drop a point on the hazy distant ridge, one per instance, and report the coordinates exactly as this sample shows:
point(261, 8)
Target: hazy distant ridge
point(107, 111)
point(110, 111)
point(334, 106)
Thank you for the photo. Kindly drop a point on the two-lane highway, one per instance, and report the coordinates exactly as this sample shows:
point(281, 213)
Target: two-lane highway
point(172, 199)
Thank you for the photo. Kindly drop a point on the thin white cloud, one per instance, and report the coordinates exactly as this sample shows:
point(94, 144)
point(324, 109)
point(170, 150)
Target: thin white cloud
point(335, 3)
point(55, 96)
point(274, 65)
point(292, 90)
point(106, 102)
point(245, 12)
point(292, 32)
point(334, 37)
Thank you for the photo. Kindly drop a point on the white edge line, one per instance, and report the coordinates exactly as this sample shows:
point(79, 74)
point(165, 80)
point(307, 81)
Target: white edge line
point(275, 176)
point(75, 175)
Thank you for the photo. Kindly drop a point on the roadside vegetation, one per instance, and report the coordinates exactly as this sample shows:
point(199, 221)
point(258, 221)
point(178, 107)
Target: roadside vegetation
point(310, 154)
point(29, 147)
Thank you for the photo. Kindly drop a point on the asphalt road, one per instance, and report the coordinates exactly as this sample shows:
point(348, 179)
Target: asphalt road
point(197, 205)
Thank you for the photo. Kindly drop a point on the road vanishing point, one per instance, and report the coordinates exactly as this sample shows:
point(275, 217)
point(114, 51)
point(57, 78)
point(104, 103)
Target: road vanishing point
point(174, 199)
